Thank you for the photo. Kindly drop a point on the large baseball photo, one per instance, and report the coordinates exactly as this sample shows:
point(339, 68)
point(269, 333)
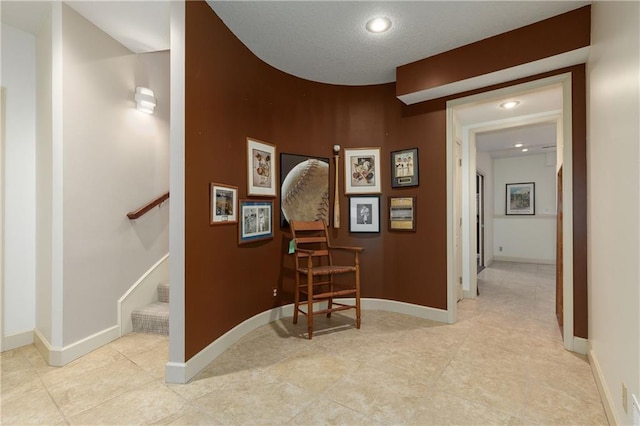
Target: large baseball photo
point(304, 188)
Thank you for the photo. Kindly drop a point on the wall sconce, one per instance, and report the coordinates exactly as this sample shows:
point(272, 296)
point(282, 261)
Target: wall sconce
point(145, 100)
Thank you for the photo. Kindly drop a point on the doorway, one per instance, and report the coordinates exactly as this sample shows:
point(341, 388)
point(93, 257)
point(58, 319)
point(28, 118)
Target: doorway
point(468, 190)
point(480, 222)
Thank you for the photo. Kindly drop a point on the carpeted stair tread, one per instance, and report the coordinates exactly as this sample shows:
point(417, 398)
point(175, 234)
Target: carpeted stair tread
point(163, 292)
point(153, 318)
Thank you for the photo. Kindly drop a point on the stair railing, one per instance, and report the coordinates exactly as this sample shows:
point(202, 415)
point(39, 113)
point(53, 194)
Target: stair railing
point(142, 210)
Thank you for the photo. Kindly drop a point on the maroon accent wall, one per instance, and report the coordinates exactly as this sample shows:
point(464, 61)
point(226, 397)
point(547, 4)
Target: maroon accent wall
point(553, 36)
point(230, 94)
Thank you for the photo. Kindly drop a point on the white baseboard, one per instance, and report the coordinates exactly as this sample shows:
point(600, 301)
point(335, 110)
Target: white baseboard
point(16, 340)
point(605, 396)
point(580, 345)
point(177, 372)
point(524, 260)
point(58, 357)
point(142, 292)
point(468, 294)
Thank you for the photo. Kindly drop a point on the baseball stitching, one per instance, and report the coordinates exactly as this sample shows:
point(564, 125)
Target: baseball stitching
point(323, 206)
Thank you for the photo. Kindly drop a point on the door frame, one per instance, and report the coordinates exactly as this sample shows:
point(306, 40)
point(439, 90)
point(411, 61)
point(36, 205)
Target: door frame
point(480, 217)
point(564, 121)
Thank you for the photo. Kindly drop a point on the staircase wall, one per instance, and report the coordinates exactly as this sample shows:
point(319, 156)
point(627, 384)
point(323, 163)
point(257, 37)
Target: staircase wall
point(142, 293)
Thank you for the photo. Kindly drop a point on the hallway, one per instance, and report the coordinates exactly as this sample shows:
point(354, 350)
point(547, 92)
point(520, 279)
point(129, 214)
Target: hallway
point(502, 363)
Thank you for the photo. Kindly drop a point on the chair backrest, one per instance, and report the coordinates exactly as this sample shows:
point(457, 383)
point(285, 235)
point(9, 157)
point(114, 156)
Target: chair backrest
point(312, 235)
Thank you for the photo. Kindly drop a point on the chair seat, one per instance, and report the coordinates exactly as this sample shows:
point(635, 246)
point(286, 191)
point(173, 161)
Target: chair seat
point(315, 274)
point(328, 270)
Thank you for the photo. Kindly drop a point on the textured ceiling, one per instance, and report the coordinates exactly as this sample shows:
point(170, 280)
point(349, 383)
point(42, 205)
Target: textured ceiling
point(326, 41)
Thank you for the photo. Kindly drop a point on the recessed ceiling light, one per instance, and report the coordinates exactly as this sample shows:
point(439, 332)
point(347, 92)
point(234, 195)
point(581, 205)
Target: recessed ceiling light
point(379, 25)
point(518, 145)
point(509, 104)
point(525, 149)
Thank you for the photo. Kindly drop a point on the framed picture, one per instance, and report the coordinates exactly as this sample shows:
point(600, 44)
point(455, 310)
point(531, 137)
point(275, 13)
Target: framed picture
point(261, 168)
point(362, 171)
point(364, 214)
point(520, 199)
point(402, 214)
point(404, 168)
point(304, 188)
point(224, 204)
point(256, 221)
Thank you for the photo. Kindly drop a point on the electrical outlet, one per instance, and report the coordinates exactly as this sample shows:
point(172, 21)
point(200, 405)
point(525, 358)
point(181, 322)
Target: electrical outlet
point(275, 292)
point(624, 397)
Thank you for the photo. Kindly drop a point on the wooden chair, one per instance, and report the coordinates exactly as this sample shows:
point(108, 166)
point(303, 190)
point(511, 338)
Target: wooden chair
point(315, 273)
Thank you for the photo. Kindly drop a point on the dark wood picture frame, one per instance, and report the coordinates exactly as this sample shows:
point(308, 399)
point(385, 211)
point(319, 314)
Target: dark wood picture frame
point(402, 213)
point(223, 204)
point(405, 170)
point(261, 168)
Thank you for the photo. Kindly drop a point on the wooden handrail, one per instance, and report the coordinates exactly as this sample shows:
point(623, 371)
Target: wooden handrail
point(142, 210)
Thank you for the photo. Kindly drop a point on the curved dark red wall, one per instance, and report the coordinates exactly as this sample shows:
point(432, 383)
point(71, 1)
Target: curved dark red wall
point(231, 95)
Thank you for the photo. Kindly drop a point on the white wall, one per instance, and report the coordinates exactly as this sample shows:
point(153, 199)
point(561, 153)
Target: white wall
point(484, 166)
point(19, 228)
point(44, 180)
point(115, 160)
point(525, 238)
point(613, 155)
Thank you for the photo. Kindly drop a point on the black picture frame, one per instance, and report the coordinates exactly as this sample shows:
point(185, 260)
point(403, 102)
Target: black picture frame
point(315, 195)
point(520, 199)
point(405, 169)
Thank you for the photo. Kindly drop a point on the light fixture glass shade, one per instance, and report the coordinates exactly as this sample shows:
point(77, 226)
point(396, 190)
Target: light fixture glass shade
point(379, 25)
point(509, 104)
point(145, 100)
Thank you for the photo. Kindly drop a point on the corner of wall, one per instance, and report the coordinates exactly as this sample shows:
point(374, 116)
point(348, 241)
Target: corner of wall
point(605, 396)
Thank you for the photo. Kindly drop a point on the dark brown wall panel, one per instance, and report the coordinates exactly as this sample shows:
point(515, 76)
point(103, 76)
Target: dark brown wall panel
point(230, 94)
point(553, 36)
point(579, 151)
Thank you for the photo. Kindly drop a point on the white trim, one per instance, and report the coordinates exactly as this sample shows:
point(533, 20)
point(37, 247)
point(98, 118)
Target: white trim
point(567, 213)
point(556, 62)
point(605, 396)
point(580, 345)
point(182, 372)
point(469, 211)
point(57, 178)
point(177, 184)
point(141, 293)
point(58, 357)
point(452, 299)
point(17, 340)
point(524, 260)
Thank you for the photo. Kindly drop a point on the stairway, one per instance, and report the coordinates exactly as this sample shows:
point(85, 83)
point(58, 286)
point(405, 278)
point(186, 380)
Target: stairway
point(153, 318)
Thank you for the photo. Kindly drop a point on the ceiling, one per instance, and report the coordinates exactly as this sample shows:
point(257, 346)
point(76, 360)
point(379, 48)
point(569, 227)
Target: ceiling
point(322, 41)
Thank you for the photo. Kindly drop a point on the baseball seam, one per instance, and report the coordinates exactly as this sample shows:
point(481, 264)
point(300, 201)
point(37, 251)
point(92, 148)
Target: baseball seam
point(302, 182)
point(292, 193)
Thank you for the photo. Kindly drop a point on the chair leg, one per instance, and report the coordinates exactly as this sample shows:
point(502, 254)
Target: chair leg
point(310, 303)
point(330, 301)
point(357, 295)
point(296, 302)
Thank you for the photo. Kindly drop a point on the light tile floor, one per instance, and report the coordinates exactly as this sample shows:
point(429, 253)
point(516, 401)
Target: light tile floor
point(501, 363)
